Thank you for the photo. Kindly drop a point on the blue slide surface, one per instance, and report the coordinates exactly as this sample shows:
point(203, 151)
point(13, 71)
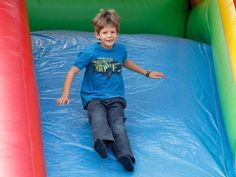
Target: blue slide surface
point(174, 125)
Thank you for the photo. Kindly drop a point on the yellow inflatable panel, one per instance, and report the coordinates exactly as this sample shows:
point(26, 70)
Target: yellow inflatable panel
point(228, 15)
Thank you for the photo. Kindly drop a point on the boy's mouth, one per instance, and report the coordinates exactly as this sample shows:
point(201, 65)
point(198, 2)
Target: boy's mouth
point(109, 40)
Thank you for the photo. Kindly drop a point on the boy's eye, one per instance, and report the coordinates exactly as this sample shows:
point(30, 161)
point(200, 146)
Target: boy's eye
point(106, 32)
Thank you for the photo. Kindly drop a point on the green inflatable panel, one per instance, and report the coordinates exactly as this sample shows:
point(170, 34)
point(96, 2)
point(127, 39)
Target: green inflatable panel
point(198, 27)
point(205, 25)
point(137, 16)
point(225, 80)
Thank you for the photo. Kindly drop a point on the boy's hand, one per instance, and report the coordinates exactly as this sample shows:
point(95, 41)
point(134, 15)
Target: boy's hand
point(63, 100)
point(156, 75)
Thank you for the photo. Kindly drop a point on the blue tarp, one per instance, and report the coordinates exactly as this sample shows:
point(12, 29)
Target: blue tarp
point(174, 125)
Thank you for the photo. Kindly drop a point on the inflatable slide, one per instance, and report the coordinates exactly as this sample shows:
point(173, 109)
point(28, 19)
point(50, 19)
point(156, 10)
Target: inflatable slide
point(180, 126)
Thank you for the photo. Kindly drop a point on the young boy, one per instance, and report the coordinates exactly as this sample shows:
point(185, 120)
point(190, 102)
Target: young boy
point(102, 90)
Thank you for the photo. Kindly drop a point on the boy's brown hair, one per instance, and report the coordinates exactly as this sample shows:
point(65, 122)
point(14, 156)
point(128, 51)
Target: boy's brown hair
point(106, 17)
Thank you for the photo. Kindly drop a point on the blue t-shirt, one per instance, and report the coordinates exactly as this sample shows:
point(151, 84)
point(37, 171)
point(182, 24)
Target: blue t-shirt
point(103, 75)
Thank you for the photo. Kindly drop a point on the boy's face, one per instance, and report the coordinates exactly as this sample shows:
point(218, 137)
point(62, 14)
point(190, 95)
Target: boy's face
point(107, 36)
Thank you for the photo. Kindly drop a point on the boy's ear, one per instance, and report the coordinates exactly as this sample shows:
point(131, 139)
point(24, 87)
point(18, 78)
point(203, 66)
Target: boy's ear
point(97, 35)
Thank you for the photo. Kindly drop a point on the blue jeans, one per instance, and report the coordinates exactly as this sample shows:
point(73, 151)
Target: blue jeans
point(108, 124)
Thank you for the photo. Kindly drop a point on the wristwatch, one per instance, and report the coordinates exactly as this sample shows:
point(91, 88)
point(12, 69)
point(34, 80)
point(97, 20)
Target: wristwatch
point(147, 73)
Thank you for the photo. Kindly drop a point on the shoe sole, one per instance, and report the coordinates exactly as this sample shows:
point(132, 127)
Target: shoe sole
point(100, 148)
point(127, 163)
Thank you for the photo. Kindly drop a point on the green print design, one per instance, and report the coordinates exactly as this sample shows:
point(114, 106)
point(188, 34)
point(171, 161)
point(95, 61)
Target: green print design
point(107, 66)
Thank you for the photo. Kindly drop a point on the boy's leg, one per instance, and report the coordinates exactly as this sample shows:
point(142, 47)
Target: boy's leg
point(97, 115)
point(121, 146)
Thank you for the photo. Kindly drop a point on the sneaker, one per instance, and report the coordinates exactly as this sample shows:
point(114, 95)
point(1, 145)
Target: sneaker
point(126, 162)
point(100, 148)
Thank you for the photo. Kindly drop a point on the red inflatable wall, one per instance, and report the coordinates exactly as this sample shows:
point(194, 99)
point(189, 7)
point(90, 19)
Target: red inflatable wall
point(21, 147)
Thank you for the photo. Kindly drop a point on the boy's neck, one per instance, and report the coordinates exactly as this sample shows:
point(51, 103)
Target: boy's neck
point(104, 47)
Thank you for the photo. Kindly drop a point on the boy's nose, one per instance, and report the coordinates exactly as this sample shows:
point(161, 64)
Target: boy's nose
point(109, 35)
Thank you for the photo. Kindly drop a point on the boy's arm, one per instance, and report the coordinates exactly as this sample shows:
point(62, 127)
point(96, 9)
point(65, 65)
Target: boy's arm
point(64, 99)
point(134, 67)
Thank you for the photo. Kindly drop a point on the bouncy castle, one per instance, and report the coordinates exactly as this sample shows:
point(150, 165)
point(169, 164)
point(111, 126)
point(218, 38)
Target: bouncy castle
point(184, 125)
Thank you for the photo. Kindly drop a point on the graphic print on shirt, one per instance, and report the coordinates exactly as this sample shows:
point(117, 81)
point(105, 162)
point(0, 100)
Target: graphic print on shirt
point(107, 66)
